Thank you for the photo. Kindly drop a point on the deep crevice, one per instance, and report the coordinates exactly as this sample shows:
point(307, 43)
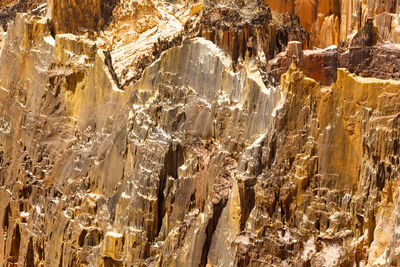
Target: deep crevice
point(108, 62)
point(247, 200)
point(15, 244)
point(40, 250)
point(30, 256)
point(82, 237)
point(61, 257)
point(173, 160)
point(7, 215)
point(381, 176)
point(210, 229)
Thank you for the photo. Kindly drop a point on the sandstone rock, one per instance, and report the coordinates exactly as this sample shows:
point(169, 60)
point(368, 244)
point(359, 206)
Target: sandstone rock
point(70, 15)
point(281, 6)
point(320, 65)
point(112, 246)
point(330, 22)
point(135, 143)
point(367, 36)
point(242, 30)
point(380, 61)
point(320, 18)
point(8, 9)
point(290, 29)
point(141, 30)
point(77, 81)
point(286, 197)
point(2, 35)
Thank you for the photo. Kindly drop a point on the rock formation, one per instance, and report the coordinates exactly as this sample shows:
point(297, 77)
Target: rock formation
point(331, 21)
point(199, 133)
point(8, 9)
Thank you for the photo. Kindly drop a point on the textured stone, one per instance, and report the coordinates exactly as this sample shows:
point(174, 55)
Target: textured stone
point(320, 18)
point(103, 164)
point(136, 143)
point(308, 178)
point(69, 15)
point(240, 31)
point(320, 64)
point(380, 61)
point(8, 9)
point(330, 21)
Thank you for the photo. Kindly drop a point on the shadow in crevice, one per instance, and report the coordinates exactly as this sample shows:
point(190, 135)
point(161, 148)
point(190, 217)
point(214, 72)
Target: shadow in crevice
point(107, 8)
point(30, 255)
point(15, 244)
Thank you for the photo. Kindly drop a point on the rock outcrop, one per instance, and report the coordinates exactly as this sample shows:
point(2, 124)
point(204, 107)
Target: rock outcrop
point(199, 133)
point(332, 21)
point(71, 15)
point(320, 64)
point(8, 9)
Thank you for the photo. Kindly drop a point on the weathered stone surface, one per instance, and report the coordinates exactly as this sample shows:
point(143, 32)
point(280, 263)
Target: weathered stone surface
point(137, 32)
point(241, 29)
point(162, 146)
point(136, 143)
point(69, 15)
point(332, 21)
point(321, 64)
point(380, 61)
point(134, 32)
point(310, 174)
point(8, 9)
point(320, 18)
point(363, 56)
point(141, 30)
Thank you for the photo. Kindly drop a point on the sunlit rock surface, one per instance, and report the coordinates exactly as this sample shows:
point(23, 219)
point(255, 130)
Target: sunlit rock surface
point(199, 133)
point(332, 21)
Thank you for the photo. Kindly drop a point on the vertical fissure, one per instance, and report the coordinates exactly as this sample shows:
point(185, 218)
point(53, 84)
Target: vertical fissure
point(15, 244)
point(210, 229)
point(173, 160)
point(30, 255)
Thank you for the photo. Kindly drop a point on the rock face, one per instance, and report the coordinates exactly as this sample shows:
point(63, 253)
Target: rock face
point(141, 30)
point(8, 9)
point(373, 61)
point(241, 30)
point(332, 21)
point(69, 15)
point(320, 64)
point(199, 133)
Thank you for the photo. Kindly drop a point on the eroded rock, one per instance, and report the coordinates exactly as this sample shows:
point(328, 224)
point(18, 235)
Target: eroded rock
point(135, 143)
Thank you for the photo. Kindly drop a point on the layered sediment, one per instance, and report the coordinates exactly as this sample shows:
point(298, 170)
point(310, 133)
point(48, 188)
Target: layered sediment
point(191, 133)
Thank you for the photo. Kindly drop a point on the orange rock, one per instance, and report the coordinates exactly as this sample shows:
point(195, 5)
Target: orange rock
point(281, 6)
point(306, 10)
point(70, 15)
point(330, 21)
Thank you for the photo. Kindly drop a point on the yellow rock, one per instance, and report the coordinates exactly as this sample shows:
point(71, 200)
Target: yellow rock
point(112, 245)
point(196, 8)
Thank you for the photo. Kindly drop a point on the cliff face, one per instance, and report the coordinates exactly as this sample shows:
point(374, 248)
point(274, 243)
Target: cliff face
point(187, 133)
point(8, 9)
point(331, 21)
